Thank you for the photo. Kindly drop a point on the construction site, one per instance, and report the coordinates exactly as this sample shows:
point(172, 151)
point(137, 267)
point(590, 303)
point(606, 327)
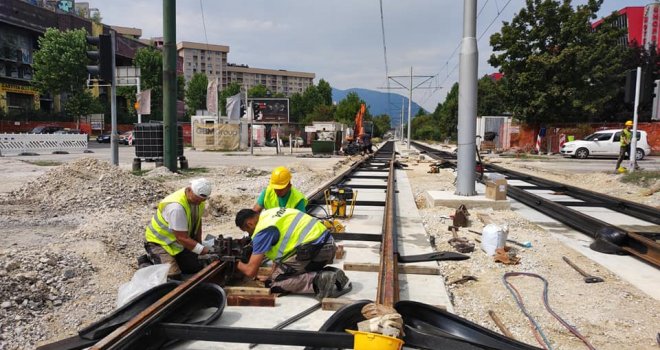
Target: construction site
point(75, 228)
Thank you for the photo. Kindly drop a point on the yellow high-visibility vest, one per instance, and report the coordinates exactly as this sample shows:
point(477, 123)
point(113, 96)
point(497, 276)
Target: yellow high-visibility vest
point(271, 200)
point(295, 227)
point(158, 231)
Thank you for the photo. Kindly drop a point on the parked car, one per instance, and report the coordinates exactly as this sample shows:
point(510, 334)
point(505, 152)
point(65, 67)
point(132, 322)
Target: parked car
point(68, 131)
point(46, 129)
point(125, 137)
point(604, 143)
point(103, 138)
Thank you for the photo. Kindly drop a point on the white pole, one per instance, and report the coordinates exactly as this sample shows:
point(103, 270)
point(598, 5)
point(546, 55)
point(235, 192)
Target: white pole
point(633, 141)
point(139, 107)
point(401, 134)
point(410, 106)
point(248, 110)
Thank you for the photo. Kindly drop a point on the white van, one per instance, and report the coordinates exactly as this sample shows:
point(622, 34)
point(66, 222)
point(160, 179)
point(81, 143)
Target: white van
point(604, 143)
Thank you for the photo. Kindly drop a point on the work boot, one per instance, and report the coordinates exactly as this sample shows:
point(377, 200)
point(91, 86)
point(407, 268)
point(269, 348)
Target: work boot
point(143, 261)
point(330, 282)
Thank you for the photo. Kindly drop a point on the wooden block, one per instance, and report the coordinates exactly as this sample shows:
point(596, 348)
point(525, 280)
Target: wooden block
point(240, 290)
point(340, 253)
point(334, 304)
point(403, 268)
point(251, 300)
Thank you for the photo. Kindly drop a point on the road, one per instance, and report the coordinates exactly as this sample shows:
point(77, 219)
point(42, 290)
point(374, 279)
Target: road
point(590, 165)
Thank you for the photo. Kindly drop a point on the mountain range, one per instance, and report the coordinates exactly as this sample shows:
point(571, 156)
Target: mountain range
point(380, 102)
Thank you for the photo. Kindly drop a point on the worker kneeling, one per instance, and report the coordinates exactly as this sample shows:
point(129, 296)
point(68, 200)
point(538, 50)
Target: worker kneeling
point(299, 245)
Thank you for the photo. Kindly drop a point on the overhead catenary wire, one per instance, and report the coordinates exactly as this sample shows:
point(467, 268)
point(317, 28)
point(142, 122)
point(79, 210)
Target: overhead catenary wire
point(387, 73)
point(499, 13)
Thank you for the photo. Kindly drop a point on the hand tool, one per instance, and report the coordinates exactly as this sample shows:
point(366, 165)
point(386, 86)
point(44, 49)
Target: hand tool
point(464, 279)
point(587, 277)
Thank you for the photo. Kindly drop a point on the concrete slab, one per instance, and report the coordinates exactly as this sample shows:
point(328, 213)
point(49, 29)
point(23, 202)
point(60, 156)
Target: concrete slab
point(449, 199)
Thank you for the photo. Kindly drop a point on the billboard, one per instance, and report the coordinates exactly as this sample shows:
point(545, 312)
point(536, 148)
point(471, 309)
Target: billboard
point(270, 110)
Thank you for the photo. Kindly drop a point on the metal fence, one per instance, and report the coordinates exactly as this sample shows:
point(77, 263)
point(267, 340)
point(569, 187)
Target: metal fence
point(16, 144)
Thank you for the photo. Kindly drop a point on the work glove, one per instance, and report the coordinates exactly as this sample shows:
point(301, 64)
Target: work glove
point(372, 310)
point(390, 325)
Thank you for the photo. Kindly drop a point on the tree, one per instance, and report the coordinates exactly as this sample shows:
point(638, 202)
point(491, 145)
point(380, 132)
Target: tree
point(325, 92)
point(446, 114)
point(490, 97)
point(348, 108)
point(59, 68)
point(231, 90)
point(196, 93)
point(382, 124)
point(556, 68)
point(59, 64)
point(258, 91)
point(150, 62)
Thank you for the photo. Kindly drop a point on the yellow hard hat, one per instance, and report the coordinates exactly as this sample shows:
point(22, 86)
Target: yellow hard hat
point(629, 123)
point(280, 178)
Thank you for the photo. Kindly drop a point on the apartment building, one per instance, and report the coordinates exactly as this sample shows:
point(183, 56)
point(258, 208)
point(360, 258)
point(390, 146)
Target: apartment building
point(203, 58)
point(277, 81)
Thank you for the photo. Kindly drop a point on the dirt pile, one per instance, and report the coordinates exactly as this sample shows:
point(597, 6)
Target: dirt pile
point(88, 185)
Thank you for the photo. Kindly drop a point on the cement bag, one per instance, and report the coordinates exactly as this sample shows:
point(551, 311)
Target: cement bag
point(143, 280)
point(493, 237)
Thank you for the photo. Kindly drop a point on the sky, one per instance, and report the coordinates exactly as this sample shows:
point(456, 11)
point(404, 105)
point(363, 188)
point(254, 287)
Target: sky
point(340, 41)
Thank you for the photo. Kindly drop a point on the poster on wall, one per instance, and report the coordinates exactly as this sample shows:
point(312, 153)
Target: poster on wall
point(270, 110)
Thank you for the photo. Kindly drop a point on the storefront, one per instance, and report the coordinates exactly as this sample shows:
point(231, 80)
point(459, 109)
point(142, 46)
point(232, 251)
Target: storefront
point(18, 98)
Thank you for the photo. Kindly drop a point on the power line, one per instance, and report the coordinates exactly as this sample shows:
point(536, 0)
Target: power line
point(387, 73)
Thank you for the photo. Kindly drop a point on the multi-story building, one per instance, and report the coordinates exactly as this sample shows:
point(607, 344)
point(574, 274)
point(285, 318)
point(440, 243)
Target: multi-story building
point(21, 25)
point(276, 81)
point(203, 58)
point(642, 25)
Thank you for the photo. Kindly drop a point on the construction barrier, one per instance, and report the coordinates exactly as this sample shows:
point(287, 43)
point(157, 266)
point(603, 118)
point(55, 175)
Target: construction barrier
point(17, 144)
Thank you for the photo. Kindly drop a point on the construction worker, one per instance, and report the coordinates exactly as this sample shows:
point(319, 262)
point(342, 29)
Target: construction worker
point(174, 234)
point(624, 150)
point(280, 193)
point(300, 247)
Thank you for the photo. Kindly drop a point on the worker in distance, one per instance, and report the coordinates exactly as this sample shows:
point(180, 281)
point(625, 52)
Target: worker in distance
point(280, 193)
point(173, 236)
point(299, 245)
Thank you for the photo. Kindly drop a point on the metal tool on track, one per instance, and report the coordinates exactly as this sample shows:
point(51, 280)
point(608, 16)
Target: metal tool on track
point(587, 277)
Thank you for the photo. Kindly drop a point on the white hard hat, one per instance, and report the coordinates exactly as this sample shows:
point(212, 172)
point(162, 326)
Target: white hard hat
point(201, 187)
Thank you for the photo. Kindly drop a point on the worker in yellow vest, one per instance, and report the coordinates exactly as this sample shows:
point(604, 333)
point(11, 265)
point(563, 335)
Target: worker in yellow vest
point(173, 236)
point(280, 193)
point(624, 149)
point(300, 247)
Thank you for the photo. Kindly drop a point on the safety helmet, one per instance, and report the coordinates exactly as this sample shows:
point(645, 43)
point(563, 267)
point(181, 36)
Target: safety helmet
point(629, 123)
point(280, 178)
point(201, 187)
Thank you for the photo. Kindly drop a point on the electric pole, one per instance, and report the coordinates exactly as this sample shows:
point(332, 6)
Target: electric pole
point(410, 89)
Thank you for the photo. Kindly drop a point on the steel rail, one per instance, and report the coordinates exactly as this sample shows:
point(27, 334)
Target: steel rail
point(388, 276)
point(634, 244)
point(146, 321)
point(133, 329)
point(640, 211)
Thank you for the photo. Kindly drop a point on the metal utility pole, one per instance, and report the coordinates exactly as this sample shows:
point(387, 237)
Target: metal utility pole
point(169, 85)
point(114, 136)
point(249, 115)
point(402, 119)
point(633, 141)
point(467, 102)
point(139, 114)
point(410, 89)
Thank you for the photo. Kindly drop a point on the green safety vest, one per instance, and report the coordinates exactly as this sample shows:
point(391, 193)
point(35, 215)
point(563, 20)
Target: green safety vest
point(271, 200)
point(158, 231)
point(626, 137)
point(295, 227)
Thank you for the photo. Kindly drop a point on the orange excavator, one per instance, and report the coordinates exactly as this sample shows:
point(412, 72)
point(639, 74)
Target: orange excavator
point(352, 145)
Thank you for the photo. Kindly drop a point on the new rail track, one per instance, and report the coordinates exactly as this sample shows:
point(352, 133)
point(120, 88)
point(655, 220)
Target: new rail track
point(609, 238)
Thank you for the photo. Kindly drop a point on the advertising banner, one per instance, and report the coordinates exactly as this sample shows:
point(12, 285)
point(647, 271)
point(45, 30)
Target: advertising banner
point(270, 110)
point(214, 136)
